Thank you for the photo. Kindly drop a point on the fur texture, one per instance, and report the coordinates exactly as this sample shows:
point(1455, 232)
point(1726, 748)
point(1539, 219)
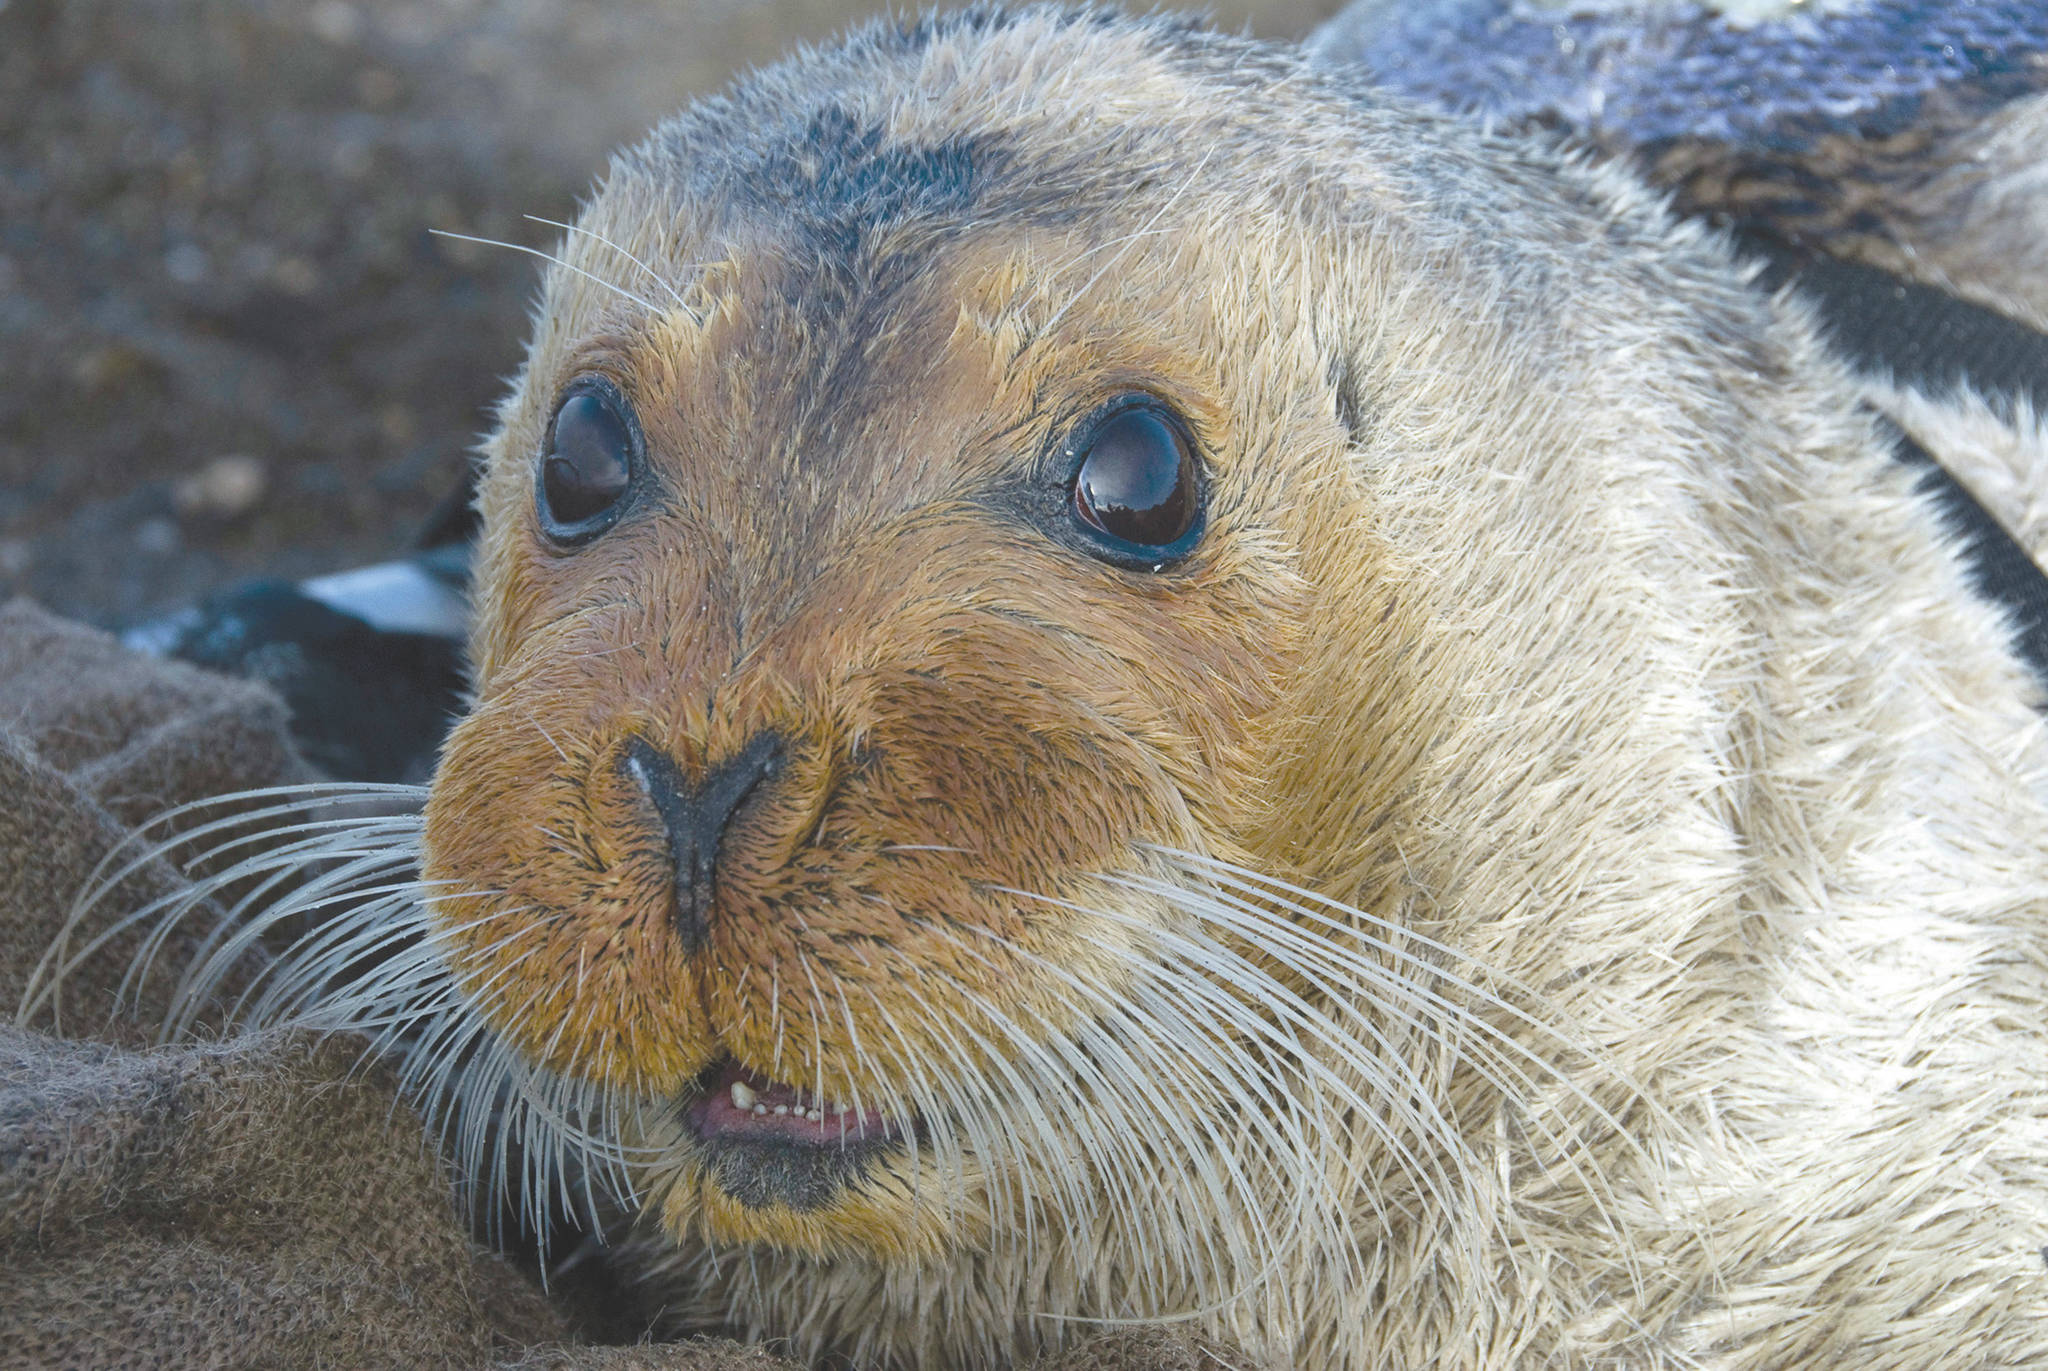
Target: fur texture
point(1555, 878)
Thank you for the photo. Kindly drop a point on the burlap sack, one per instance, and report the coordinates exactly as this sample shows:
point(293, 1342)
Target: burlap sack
point(249, 1203)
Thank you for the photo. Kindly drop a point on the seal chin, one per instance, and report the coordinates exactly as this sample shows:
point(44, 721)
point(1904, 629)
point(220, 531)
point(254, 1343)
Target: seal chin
point(768, 1144)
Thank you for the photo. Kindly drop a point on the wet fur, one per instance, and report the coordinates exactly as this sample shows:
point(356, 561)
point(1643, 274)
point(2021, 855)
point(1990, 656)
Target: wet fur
point(1557, 879)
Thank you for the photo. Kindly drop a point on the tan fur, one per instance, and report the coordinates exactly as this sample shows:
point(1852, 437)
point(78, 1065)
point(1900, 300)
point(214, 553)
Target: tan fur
point(1672, 985)
point(1999, 450)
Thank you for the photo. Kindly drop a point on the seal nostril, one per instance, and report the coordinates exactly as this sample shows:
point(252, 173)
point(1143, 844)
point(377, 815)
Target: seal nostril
point(694, 817)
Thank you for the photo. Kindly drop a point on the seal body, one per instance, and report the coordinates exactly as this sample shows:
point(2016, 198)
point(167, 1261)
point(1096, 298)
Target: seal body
point(1547, 868)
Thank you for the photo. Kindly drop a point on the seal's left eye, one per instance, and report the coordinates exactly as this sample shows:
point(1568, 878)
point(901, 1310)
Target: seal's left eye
point(1135, 490)
point(588, 469)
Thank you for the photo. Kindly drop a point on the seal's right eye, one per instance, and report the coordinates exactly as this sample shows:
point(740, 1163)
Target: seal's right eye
point(1135, 492)
point(590, 462)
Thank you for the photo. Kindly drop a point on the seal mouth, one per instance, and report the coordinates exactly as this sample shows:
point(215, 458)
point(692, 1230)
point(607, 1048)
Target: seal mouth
point(735, 1104)
point(768, 1144)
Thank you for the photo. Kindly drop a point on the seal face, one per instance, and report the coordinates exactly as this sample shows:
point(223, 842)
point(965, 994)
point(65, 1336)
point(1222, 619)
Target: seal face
point(858, 603)
point(1113, 681)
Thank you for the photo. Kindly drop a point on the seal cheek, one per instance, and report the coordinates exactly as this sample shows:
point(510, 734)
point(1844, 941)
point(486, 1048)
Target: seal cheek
point(556, 904)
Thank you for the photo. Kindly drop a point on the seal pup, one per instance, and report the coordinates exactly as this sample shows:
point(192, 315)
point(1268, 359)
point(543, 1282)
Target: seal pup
point(1117, 681)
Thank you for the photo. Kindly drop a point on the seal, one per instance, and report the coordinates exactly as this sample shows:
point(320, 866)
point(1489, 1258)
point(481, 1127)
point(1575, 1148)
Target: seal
point(1115, 680)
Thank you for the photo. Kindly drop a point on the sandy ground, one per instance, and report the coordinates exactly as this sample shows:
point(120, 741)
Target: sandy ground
point(230, 345)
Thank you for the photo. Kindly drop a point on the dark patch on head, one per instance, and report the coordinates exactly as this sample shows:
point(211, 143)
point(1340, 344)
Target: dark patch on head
point(797, 150)
point(759, 1173)
point(837, 180)
point(842, 213)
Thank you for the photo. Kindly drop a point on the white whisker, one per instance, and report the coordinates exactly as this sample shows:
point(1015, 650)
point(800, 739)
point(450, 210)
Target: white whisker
point(619, 290)
point(600, 239)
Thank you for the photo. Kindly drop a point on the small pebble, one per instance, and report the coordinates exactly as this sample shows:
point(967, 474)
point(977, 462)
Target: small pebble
point(114, 367)
point(186, 264)
point(296, 276)
point(351, 158)
point(378, 88)
point(225, 488)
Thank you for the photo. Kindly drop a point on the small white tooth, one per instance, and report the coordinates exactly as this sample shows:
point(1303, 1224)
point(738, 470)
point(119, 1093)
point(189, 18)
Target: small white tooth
point(814, 1116)
point(838, 1109)
point(760, 1109)
point(782, 1109)
point(742, 1098)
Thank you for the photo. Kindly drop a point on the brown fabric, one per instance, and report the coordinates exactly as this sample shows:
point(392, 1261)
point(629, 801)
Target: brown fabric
point(255, 1202)
point(229, 1206)
point(95, 739)
point(138, 735)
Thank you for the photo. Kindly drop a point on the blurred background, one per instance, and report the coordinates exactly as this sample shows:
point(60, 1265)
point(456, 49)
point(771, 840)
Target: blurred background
point(229, 345)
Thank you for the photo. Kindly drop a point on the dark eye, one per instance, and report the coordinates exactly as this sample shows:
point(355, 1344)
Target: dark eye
point(1135, 486)
point(588, 467)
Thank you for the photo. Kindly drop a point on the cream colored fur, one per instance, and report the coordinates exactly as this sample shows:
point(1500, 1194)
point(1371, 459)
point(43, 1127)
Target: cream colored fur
point(1999, 450)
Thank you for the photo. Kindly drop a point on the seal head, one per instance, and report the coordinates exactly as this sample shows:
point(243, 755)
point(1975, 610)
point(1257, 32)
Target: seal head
point(860, 584)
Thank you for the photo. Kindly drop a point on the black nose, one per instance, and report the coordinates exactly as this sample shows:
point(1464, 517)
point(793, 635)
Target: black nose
point(695, 817)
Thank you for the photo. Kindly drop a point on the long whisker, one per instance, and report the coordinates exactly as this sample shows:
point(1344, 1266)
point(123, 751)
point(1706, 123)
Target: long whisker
point(616, 289)
point(1149, 1028)
point(375, 960)
point(1101, 1007)
point(1326, 926)
point(136, 851)
point(1127, 242)
point(599, 238)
